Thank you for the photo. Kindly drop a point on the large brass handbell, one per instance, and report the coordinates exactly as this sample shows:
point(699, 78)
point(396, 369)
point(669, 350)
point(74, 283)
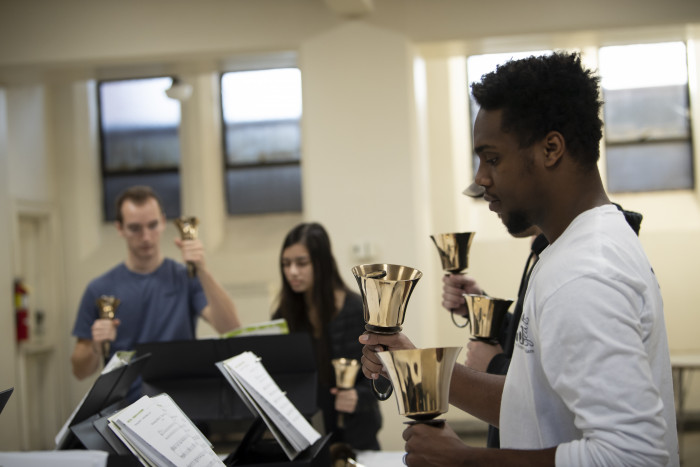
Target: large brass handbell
point(385, 290)
point(421, 378)
point(486, 315)
point(453, 249)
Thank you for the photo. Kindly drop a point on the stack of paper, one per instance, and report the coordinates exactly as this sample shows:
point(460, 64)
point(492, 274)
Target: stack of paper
point(258, 390)
point(159, 434)
point(71, 458)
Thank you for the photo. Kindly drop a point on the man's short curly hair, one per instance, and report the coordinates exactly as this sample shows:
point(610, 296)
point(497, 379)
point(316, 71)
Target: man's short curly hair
point(547, 93)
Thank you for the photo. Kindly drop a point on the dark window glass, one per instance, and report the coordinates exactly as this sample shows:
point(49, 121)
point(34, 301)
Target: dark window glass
point(650, 166)
point(255, 189)
point(262, 140)
point(647, 117)
point(139, 128)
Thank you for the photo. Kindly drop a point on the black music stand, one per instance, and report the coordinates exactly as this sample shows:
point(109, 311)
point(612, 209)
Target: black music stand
point(187, 372)
point(108, 389)
point(4, 397)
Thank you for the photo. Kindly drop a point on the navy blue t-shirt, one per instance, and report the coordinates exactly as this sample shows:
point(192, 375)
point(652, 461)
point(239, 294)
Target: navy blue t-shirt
point(160, 306)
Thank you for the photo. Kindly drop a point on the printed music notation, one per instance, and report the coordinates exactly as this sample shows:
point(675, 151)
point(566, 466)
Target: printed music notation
point(261, 394)
point(158, 432)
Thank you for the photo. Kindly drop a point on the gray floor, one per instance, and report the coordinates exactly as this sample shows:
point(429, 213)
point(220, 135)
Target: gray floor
point(690, 457)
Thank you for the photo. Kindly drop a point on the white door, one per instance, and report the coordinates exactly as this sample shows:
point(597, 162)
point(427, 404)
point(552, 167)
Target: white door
point(37, 369)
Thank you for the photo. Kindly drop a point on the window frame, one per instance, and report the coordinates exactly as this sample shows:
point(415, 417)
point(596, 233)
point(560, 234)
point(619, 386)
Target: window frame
point(588, 46)
point(144, 172)
point(226, 166)
point(632, 142)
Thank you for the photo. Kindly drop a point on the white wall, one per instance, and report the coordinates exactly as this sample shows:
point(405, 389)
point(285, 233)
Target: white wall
point(385, 142)
point(10, 438)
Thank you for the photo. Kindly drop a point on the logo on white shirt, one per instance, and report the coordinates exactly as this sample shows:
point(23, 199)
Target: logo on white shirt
point(521, 337)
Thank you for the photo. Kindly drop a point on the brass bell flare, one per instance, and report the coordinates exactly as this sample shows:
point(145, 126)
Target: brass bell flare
point(108, 305)
point(187, 225)
point(385, 290)
point(346, 370)
point(421, 379)
point(453, 249)
point(486, 315)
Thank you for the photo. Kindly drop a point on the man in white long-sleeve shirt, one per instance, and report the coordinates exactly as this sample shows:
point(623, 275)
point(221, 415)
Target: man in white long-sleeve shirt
point(589, 383)
point(591, 372)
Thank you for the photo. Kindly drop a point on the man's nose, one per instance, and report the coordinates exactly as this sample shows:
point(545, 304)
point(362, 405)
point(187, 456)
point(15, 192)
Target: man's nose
point(147, 233)
point(482, 178)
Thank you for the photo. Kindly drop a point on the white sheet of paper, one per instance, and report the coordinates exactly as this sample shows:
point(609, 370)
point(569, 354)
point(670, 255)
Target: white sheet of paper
point(68, 458)
point(252, 374)
point(291, 451)
point(165, 436)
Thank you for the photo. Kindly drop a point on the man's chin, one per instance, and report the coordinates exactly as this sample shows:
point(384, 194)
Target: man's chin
point(517, 224)
point(146, 253)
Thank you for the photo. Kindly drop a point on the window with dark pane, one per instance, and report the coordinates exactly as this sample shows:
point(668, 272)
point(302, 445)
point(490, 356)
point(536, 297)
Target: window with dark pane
point(647, 117)
point(140, 144)
point(262, 140)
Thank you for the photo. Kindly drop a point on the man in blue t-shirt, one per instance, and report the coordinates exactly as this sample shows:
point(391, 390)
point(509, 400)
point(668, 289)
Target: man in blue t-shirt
point(158, 300)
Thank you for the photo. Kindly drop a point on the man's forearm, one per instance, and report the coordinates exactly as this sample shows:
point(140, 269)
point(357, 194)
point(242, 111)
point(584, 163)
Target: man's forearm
point(477, 393)
point(222, 313)
point(85, 359)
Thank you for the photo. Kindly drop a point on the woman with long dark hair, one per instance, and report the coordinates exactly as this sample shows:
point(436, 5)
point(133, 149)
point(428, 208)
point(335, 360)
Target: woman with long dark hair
point(314, 299)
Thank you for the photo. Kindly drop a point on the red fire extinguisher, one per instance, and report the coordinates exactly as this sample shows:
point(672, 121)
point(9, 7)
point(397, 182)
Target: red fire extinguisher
point(21, 311)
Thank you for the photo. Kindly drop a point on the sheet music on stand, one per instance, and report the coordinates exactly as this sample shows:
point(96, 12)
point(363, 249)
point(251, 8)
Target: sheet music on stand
point(262, 395)
point(159, 433)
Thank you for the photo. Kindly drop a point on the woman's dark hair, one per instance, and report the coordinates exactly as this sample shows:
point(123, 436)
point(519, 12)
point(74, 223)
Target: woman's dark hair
point(547, 93)
point(326, 280)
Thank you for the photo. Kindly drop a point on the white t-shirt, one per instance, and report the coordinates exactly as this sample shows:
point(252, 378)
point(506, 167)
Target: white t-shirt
point(591, 371)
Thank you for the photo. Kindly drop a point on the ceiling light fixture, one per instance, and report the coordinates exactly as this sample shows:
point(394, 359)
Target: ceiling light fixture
point(179, 90)
point(351, 8)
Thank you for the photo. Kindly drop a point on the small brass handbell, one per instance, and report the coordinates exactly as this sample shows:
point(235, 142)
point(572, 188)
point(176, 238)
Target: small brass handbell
point(385, 290)
point(453, 249)
point(486, 315)
point(421, 378)
point(188, 231)
point(346, 370)
point(107, 305)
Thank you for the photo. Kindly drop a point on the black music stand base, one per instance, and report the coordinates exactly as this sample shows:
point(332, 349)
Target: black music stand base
point(256, 451)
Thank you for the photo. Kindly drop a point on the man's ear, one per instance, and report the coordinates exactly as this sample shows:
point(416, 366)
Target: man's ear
point(554, 148)
point(120, 228)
